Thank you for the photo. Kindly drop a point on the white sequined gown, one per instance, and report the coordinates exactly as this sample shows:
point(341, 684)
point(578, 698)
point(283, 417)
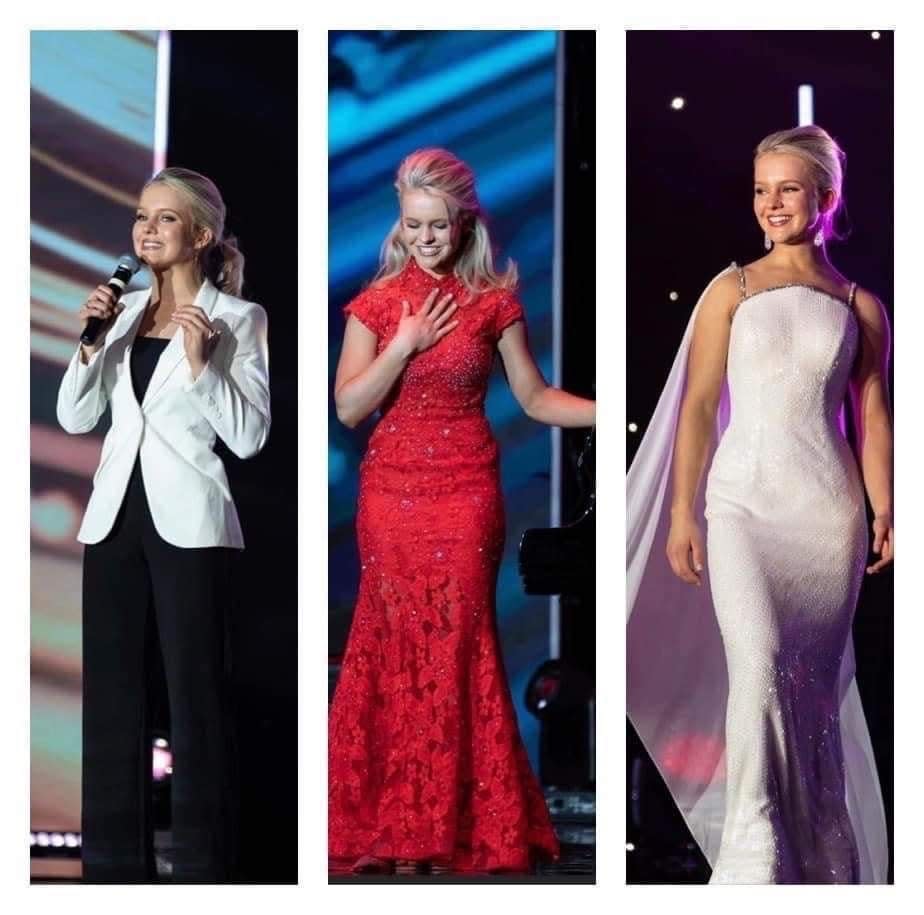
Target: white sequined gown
point(786, 548)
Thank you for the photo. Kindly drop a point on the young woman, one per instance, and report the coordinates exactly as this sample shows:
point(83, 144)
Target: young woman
point(744, 692)
point(425, 761)
point(180, 364)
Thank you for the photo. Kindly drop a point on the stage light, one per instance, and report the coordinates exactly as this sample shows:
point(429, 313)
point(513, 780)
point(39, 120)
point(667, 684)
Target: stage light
point(674, 296)
point(543, 688)
point(630, 846)
point(633, 427)
point(678, 103)
point(161, 99)
point(61, 842)
point(54, 516)
point(696, 758)
point(806, 103)
point(161, 759)
point(336, 466)
point(875, 36)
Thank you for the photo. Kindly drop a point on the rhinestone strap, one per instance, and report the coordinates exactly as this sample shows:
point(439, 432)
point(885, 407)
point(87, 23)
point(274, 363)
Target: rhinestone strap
point(742, 284)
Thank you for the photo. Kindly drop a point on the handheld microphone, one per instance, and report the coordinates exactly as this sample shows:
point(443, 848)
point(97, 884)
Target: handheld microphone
point(127, 268)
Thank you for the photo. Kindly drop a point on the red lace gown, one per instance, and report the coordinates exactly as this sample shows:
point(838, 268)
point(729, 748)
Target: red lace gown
point(425, 760)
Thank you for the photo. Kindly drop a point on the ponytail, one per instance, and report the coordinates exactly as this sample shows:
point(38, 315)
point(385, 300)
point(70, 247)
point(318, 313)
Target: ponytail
point(223, 264)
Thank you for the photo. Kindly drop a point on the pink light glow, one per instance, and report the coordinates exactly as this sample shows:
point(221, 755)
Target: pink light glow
point(162, 763)
point(694, 758)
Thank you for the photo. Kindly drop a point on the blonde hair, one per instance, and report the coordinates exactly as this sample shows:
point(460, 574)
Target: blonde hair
point(221, 260)
point(439, 172)
point(825, 159)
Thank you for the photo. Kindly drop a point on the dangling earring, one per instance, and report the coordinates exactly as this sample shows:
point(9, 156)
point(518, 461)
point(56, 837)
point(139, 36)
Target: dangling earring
point(819, 238)
point(767, 243)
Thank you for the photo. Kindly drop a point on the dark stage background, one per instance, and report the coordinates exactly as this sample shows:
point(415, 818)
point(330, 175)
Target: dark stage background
point(689, 181)
point(233, 116)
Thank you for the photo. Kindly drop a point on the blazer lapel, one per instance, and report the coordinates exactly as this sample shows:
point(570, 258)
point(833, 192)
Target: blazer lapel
point(123, 331)
point(175, 352)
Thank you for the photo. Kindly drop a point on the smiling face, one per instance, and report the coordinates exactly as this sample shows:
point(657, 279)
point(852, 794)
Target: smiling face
point(162, 233)
point(786, 202)
point(427, 231)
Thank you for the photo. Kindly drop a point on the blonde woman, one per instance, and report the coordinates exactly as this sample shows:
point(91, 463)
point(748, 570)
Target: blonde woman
point(741, 677)
point(179, 365)
point(425, 761)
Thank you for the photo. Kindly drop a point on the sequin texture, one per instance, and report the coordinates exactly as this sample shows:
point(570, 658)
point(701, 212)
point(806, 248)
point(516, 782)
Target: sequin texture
point(425, 759)
point(786, 547)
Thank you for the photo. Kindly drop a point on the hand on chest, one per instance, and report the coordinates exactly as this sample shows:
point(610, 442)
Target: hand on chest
point(462, 359)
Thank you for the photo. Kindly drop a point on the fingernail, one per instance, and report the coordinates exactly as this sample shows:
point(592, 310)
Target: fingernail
point(699, 568)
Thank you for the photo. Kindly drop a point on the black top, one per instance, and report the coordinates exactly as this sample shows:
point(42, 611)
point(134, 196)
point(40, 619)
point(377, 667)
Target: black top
point(145, 353)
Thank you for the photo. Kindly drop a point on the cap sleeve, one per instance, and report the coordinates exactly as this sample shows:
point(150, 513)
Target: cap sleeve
point(509, 310)
point(365, 308)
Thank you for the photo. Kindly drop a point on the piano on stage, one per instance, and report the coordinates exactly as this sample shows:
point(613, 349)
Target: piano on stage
point(562, 561)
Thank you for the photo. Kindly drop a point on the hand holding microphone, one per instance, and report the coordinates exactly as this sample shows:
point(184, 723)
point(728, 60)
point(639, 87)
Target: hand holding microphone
point(101, 308)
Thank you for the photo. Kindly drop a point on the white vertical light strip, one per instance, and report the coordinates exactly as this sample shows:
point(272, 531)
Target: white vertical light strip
point(161, 100)
point(554, 490)
point(806, 105)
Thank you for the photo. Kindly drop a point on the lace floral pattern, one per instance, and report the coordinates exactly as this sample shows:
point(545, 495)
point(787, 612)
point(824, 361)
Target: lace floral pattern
point(425, 760)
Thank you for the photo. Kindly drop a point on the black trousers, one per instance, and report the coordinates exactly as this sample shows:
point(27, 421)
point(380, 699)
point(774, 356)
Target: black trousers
point(140, 592)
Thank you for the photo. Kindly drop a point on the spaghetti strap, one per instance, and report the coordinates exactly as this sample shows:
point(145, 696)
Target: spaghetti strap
point(852, 294)
point(742, 282)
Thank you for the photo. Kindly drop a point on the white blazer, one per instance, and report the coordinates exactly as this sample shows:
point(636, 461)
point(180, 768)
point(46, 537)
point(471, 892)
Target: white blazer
point(175, 426)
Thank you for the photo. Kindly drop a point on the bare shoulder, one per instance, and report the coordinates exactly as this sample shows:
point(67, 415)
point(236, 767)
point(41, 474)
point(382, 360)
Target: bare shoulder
point(758, 273)
point(870, 309)
point(754, 267)
point(721, 297)
point(875, 337)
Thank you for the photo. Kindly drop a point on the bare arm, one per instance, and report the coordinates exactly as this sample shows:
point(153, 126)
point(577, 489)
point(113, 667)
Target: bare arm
point(705, 373)
point(539, 400)
point(869, 391)
point(363, 378)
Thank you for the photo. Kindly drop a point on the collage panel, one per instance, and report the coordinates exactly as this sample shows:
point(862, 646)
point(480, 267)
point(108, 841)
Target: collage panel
point(461, 457)
point(759, 490)
point(163, 738)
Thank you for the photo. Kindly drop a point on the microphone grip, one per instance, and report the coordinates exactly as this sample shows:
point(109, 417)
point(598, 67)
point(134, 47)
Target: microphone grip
point(94, 325)
point(91, 331)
